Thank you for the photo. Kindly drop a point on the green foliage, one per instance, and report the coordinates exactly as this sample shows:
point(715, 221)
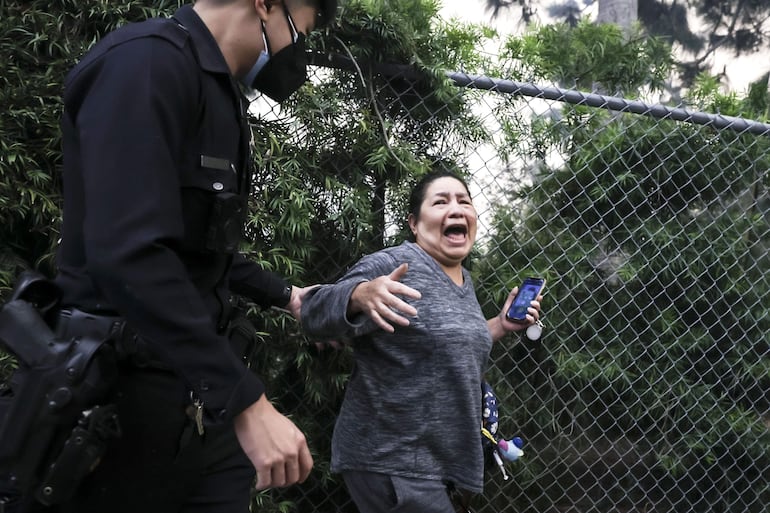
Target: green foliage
point(366, 134)
point(39, 43)
point(699, 29)
point(706, 94)
point(652, 239)
point(589, 57)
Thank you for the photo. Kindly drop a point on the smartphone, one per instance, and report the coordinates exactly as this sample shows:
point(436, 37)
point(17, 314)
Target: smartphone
point(528, 292)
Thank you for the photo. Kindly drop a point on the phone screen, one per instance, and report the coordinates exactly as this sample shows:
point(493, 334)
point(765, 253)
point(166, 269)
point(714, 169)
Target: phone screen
point(528, 292)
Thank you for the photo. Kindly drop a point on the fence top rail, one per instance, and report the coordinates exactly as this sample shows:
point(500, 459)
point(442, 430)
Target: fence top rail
point(572, 96)
point(610, 103)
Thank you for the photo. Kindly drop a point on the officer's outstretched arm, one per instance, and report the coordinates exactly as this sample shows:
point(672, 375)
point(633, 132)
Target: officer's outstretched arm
point(276, 447)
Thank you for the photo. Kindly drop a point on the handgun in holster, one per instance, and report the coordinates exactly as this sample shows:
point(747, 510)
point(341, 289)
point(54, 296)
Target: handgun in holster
point(54, 423)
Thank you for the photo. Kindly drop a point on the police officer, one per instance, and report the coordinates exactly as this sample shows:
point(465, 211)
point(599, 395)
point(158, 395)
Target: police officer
point(156, 173)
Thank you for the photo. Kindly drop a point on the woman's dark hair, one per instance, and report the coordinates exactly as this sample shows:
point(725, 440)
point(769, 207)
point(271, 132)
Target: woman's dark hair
point(418, 192)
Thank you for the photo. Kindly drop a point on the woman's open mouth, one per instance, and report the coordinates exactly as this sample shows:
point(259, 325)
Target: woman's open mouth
point(456, 233)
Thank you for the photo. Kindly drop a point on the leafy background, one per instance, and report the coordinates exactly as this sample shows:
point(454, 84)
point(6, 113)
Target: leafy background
point(649, 390)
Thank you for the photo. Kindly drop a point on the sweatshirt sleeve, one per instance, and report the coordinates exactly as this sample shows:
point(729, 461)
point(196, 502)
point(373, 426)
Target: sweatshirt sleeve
point(324, 309)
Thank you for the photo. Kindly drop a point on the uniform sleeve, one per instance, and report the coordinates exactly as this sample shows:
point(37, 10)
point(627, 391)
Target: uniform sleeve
point(259, 285)
point(131, 113)
point(324, 309)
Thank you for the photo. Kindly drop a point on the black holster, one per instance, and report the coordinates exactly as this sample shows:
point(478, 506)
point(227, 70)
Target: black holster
point(242, 336)
point(53, 421)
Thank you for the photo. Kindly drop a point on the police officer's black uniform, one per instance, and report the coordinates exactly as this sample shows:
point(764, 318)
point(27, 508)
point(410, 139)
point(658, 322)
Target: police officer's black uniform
point(156, 151)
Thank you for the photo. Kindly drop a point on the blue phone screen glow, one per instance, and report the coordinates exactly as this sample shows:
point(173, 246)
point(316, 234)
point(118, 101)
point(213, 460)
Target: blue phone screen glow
point(527, 294)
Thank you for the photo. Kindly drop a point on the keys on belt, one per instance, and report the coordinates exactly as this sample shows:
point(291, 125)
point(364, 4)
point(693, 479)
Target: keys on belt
point(195, 412)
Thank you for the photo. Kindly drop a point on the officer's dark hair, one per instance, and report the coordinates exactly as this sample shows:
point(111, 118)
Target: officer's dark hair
point(327, 9)
point(418, 192)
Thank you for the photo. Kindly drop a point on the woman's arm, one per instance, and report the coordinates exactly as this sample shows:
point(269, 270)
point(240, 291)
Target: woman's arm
point(367, 297)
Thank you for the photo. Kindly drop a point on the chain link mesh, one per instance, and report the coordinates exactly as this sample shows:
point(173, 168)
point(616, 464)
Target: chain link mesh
point(649, 390)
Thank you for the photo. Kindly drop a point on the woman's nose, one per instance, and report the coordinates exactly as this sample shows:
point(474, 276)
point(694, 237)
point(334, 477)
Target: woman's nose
point(455, 209)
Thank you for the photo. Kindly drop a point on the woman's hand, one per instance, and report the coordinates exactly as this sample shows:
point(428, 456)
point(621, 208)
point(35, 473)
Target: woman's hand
point(499, 326)
point(379, 299)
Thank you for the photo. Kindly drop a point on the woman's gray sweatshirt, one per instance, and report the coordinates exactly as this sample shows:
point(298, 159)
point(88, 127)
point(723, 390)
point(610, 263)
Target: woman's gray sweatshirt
point(413, 403)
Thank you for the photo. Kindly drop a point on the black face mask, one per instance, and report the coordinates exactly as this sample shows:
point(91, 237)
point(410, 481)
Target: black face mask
point(284, 73)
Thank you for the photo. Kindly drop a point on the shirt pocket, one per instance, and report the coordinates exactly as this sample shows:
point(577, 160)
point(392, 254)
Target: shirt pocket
point(213, 210)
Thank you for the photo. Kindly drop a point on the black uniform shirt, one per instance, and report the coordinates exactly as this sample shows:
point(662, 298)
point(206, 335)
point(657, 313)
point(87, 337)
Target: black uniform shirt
point(153, 131)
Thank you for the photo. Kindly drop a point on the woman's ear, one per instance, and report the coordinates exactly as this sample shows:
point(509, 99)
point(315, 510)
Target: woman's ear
point(412, 220)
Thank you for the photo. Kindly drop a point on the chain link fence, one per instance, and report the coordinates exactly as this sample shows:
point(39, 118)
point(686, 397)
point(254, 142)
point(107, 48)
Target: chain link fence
point(649, 391)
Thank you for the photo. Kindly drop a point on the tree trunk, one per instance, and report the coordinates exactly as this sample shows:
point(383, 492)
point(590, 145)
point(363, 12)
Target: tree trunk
point(622, 12)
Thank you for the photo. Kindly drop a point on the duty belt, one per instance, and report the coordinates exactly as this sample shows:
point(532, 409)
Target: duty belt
point(131, 348)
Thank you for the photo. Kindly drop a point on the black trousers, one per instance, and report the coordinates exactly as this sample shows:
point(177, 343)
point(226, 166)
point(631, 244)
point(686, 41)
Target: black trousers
point(161, 464)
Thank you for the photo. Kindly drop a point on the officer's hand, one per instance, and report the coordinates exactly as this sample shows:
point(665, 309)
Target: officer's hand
point(379, 299)
point(276, 448)
point(295, 303)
